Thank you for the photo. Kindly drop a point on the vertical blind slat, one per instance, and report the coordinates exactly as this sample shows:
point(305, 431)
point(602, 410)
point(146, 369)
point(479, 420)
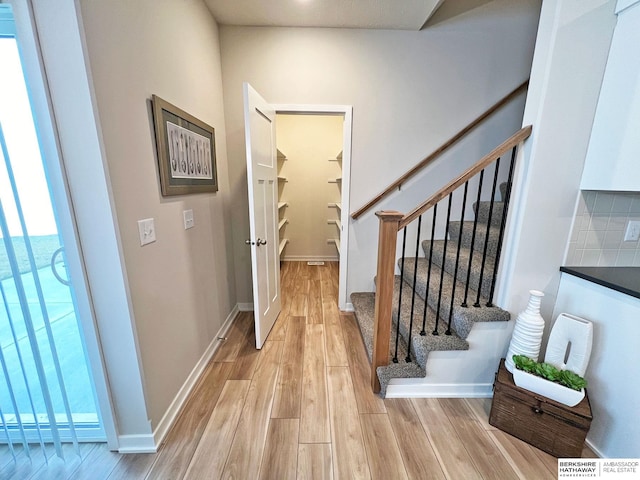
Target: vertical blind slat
point(37, 356)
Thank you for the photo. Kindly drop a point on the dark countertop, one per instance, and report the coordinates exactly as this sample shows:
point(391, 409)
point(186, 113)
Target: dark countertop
point(620, 279)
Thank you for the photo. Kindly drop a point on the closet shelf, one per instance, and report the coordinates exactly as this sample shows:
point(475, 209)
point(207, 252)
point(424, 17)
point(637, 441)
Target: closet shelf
point(282, 223)
point(283, 243)
point(282, 179)
point(335, 205)
point(282, 205)
point(337, 223)
point(335, 180)
point(336, 242)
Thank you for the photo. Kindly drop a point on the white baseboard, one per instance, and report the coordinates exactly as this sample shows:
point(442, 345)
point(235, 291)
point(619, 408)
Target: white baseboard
point(348, 307)
point(404, 388)
point(137, 444)
point(172, 412)
point(245, 307)
point(595, 449)
point(303, 258)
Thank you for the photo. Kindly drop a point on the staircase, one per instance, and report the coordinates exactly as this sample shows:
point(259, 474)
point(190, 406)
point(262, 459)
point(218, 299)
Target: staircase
point(438, 294)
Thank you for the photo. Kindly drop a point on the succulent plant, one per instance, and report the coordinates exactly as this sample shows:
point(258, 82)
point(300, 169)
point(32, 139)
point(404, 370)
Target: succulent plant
point(550, 372)
point(524, 363)
point(572, 380)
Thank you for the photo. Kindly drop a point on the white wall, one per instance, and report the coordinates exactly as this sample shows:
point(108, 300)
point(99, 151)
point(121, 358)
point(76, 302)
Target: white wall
point(309, 141)
point(568, 66)
point(410, 91)
point(615, 431)
point(182, 286)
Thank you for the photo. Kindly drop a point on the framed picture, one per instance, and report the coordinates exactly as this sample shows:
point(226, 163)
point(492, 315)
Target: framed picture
point(186, 151)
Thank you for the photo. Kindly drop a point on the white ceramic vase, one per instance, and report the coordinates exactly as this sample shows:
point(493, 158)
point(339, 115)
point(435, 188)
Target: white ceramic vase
point(569, 345)
point(527, 333)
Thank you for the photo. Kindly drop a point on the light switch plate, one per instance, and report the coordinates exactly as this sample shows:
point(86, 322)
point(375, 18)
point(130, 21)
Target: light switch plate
point(188, 219)
point(632, 233)
point(147, 231)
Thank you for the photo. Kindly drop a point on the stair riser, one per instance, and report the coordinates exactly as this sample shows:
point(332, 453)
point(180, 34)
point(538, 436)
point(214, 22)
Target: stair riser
point(430, 342)
point(462, 318)
point(503, 190)
point(479, 240)
point(482, 212)
point(463, 265)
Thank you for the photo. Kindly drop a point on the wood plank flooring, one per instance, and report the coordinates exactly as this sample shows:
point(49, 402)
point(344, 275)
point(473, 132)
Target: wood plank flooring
point(302, 408)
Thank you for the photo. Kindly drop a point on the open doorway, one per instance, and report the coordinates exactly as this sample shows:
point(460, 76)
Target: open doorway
point(313, 192)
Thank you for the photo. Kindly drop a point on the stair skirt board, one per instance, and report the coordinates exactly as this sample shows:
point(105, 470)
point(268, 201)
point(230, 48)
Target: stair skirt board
point(459, 373)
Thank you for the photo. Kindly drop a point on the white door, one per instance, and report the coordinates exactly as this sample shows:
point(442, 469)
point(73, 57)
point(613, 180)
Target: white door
point(260, 135)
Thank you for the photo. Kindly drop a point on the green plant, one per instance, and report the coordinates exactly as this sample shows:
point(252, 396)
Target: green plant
point(571, 380)
point(549, 372)
point(524, 363)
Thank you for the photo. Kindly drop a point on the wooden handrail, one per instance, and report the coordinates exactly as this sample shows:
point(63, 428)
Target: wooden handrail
point(426, 161)
point(500, 150)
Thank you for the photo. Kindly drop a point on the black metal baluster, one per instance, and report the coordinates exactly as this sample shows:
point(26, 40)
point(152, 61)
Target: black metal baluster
point(413, 298)
point(473, 240)
point(486, 237)
point(426, 293)
point(404, 244)
point(444, 252)
point(503, 223)
point(455, 270)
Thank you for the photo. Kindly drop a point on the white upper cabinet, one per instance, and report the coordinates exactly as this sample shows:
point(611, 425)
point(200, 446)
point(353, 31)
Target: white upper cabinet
point(613, 156)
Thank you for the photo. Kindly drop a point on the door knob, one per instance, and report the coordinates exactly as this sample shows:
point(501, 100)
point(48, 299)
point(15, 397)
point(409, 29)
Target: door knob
point(249, 242)
point(261, 242)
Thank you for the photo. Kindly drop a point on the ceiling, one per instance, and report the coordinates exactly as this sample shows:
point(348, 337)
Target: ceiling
point(374, 14)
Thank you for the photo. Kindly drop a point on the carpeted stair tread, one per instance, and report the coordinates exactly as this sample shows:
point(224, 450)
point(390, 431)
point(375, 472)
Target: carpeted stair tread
point(421, 345)
point(463, 263)
point(364, 309)
point(462, 318)
point(480, 239)
point(397, 370)
point(482, 212)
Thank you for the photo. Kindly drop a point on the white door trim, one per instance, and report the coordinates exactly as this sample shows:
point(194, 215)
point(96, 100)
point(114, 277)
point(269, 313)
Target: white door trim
point(347, 111)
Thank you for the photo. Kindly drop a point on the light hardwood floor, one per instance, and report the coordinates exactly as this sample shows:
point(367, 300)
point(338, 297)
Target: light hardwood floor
point(302, 408)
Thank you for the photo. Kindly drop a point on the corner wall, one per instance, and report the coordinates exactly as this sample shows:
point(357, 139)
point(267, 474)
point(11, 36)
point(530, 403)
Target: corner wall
point(410, 91)
point(568, 67)
point(181, 287)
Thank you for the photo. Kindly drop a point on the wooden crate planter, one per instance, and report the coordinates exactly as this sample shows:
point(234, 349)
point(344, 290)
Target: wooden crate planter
point(539, 421)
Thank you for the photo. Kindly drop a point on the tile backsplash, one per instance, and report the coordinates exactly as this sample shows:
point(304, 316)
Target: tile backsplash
point(597, 236)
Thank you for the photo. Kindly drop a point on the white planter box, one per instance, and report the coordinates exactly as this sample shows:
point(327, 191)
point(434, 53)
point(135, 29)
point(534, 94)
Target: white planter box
point(552, 390)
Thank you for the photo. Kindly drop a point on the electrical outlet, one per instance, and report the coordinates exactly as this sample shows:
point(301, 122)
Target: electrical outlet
point(632, 234)
point(189, 222)
point(147, 231)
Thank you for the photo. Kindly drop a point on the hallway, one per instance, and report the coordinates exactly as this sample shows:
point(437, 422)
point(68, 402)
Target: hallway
point(302, 408)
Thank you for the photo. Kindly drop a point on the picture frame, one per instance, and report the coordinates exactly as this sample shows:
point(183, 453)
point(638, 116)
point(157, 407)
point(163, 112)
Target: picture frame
point(186, 151)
